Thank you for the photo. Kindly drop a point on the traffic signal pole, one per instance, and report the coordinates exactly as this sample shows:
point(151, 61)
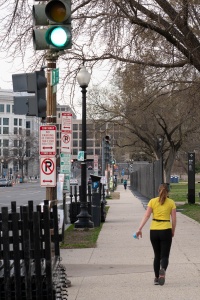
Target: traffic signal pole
point(51, 192)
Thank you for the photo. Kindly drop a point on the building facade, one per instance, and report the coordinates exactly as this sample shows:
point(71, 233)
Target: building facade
point(18, 157)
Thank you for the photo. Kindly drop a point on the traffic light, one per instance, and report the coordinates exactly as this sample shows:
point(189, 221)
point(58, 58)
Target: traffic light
point(30, 105)
point(52, 25)
point(107, 147)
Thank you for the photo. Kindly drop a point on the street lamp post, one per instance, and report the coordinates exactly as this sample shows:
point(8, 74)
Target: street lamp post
point(160, 150)
point(2, 161)
point(83, 221)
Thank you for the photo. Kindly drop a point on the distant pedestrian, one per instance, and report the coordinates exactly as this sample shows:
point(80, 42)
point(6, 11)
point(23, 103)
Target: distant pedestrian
point(161, 230)
point(125, 184)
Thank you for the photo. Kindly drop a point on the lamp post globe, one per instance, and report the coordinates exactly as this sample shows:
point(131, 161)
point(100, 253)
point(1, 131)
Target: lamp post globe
point(83, 78)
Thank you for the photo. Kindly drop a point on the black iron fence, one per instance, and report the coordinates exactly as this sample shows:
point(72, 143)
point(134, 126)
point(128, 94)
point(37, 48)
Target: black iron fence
point(74, 208)
point(30, 255)
point(147, 179)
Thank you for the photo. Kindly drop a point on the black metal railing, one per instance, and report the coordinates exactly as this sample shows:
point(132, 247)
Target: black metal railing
point(74, 208)
point(30, 255)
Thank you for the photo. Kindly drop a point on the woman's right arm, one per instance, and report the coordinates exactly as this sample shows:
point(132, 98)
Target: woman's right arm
point(173, 215)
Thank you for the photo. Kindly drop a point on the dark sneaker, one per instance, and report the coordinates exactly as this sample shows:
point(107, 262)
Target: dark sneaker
point(161, 278)
point(156, 281)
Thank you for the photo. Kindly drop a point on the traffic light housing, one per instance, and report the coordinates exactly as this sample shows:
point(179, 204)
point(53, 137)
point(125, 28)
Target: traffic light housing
point(107, 147)
point(55, 18)
point(31, 83)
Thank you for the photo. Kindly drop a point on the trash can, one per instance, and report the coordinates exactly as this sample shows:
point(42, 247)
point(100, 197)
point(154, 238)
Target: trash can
point(172, 179)
point(20, 180)
point(176, 179)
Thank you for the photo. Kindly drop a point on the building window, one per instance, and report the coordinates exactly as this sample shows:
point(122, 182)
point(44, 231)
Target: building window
point(20, 131)
point(15, 143)
point(5, 130)
point(28, 124)
point(15, 122)
point(75, 126)
point(89, 143)
point(75, 135)
point(28, 132)
point(20, 122)
point(1, 107)
point(5, 121)
point(90, 151)
point(8, 108)
point(15, 130)
point(75, 151)
point(5, 152)
point(13, 109)
point(15, 152)
point(75, 143)
point(5, 143)
point(97, 151)
point(97, 143)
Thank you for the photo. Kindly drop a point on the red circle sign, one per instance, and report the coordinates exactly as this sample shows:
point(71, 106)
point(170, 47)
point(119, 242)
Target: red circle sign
point(47, 166)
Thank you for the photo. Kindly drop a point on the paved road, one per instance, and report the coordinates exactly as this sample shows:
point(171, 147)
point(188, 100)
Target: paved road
point(22, 193)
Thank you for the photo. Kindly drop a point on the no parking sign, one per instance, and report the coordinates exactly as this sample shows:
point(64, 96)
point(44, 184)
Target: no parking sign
point(48, 171)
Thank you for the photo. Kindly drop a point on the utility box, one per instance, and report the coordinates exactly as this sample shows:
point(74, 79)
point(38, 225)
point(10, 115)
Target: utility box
point(96, 200)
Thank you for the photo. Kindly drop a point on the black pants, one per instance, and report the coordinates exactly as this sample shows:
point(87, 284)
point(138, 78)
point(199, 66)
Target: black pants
point(161, 241)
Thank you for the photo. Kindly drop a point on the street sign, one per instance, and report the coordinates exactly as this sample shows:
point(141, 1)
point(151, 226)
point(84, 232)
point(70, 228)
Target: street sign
point(48, 140)
point(66, 142)
point(48, 171)
point(96, 164)
point(81, 156)
point(66, 122)
point(66, 132)
point(54, 76)
point(65, 163)
point(74, 181)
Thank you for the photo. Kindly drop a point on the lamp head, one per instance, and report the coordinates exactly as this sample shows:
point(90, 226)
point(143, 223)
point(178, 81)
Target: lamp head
point(83, 77)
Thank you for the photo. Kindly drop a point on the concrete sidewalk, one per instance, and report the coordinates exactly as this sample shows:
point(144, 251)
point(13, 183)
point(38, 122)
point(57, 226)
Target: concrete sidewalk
point(121, 268)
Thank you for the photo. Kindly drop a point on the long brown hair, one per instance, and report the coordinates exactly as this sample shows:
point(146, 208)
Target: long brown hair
point(163, 193)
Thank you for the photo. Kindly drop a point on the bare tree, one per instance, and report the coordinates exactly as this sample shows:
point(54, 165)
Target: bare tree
point(158, 33)
point(158, 116)
point(23, 150)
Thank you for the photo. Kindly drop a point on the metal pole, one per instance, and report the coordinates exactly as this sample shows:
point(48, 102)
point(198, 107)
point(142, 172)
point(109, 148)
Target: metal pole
point(84, 217)
point(51, 114)
point(103, 159)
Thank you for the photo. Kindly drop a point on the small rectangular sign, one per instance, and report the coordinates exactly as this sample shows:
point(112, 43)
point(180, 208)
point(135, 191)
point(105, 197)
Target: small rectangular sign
point(80, 156)
point(66, 142)
point(48, 171)
point(66, 122)
point(48, 140)
point(54, 76)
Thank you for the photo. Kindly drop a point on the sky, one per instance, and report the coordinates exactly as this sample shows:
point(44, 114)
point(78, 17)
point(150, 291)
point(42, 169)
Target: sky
point(99, 78)
point(9, 67)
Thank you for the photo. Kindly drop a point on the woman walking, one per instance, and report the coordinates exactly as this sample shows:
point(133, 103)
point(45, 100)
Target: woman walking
point(161, 230)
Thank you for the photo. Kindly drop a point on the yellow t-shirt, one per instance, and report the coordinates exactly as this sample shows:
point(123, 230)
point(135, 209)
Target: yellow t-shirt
point(161, 212)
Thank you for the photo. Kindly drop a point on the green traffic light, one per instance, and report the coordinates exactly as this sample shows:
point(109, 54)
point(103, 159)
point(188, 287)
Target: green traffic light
point(58, 36)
